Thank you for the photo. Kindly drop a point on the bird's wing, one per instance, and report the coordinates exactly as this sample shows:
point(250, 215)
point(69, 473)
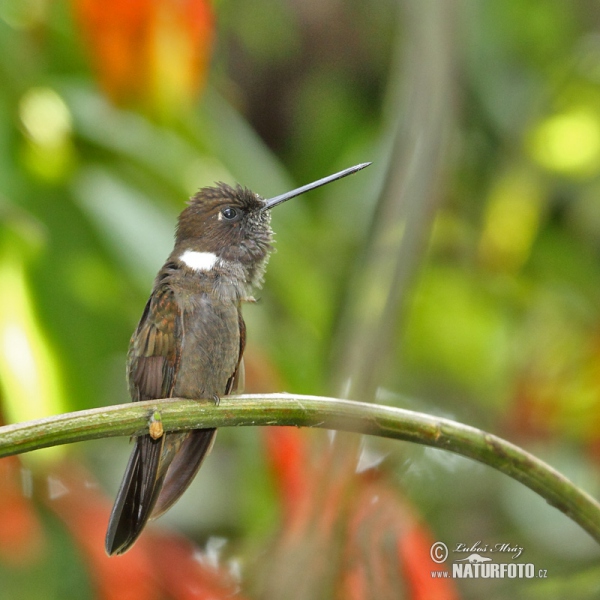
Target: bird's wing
point(154, 354)
point(236, 381)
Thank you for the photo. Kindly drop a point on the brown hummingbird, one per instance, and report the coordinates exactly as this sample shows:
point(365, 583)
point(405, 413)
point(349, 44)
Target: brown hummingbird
point(190, 340)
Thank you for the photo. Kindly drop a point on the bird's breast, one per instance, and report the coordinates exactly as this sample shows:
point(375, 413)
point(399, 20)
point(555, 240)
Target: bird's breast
point(210, 346)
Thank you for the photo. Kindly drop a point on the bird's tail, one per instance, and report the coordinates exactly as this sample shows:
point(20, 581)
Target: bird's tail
point(158, 472)
point(137, 495)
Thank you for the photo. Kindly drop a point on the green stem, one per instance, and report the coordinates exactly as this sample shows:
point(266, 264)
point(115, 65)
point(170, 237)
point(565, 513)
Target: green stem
point(312, 411)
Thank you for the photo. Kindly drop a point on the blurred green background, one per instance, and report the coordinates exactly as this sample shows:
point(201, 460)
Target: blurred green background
point(462, 267)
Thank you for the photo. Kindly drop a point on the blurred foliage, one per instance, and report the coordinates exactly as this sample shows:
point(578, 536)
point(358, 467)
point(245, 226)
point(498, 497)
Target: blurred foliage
point(112, 114)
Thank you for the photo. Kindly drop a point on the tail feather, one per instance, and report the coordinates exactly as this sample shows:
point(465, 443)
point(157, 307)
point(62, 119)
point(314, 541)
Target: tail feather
point(183, 468)
point(157, 474)
point(137, 495)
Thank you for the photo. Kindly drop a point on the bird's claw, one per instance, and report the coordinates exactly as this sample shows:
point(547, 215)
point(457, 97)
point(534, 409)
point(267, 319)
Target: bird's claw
point(155, 426)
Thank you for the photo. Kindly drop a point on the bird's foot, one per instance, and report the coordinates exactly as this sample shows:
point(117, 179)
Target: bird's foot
point(155, 426)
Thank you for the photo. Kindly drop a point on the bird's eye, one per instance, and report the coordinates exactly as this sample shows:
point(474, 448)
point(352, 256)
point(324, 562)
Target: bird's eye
point(229, 213)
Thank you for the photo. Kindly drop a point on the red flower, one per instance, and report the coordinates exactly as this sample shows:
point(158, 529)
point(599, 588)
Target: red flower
point(160, 565)
point(22, 537)
point(347, 534)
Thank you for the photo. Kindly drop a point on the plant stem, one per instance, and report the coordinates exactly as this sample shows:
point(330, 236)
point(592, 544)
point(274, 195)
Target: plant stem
point(311, 411)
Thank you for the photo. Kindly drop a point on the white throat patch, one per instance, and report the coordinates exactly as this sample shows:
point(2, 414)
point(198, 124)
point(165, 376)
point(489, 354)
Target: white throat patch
point(199, 261)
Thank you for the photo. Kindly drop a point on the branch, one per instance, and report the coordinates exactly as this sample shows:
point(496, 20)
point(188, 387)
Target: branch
point(311, 411)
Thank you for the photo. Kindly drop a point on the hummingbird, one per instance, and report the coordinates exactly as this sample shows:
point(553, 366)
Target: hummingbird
point(190, 340)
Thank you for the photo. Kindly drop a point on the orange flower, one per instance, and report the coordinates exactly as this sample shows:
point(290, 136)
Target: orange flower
point(152, 54)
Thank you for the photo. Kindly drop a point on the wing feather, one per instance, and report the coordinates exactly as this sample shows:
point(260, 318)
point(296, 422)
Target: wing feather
point(154, 354)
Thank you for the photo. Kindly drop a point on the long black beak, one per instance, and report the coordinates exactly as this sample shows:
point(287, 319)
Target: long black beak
point(271, 202)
